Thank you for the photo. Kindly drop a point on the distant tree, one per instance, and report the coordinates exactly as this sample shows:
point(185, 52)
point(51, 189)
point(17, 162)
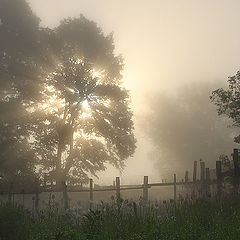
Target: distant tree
point(228, 101)
point(185, 127)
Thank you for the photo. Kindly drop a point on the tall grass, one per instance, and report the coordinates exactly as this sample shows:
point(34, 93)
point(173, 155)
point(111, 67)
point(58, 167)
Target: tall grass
point(198, 220)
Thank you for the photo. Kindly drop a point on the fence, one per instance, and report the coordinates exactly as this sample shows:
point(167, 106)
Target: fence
point(203, 185)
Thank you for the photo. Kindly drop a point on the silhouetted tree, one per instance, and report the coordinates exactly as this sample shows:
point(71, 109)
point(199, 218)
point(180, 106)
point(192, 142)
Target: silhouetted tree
point(64, 86)
point(84, 120)
point(19, 51)
point(228, 101)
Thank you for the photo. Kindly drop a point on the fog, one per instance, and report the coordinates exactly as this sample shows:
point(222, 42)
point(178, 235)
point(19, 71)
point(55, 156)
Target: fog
point(185, 127)
point(176, 53)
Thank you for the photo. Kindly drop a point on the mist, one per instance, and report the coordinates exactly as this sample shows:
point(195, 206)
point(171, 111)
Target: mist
point(185, 127)
point(104, 108)
point(172, 53)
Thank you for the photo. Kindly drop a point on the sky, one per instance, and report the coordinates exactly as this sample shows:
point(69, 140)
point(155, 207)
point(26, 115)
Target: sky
point(166, 44)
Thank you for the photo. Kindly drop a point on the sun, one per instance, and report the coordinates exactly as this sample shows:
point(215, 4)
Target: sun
point(86, 110)
point(85, 104)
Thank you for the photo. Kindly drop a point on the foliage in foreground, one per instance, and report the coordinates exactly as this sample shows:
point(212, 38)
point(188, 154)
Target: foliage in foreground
point(203, 220)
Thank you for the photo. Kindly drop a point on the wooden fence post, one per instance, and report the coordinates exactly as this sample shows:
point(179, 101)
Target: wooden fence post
point(37, 194)
point(65, 195)
point(118, 190)
point(175, 187)
point(186, 176)
point(145, 190)
point(208, 175)
point(202, 165)
point(195, 171)
point(91, 193)
point(236, 168)
point(208, 181)
point(219, 177)
point(203, 178)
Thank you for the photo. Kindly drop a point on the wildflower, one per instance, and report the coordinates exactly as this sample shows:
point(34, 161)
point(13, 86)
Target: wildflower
point(180, 197)
point(129, 204)
point(125, 201)
point(97, 203)
point(140, 201)
point(112, 198)
point(193, 195)
point(74, 225)
point(208, 193)
point(74, 208)
point(85, 218)
point(225, 194)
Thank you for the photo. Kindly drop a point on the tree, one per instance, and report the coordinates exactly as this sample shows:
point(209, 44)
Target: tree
point(82, 119)
point(228, 101)
point(19, 50)
point(185, 127)
point(73, 114)
point(88, 122)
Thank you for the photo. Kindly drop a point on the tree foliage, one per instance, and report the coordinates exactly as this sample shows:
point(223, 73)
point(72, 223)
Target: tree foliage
point(19, 51)
point(71, 114)
point(228, 101)
point(185, 128)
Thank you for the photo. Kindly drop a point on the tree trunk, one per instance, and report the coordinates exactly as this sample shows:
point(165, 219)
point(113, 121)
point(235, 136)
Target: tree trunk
point(62, 173)
point(58, 166)
point(70, 157)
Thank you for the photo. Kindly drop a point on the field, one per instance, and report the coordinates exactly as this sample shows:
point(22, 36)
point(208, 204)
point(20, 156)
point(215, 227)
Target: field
point(202, 219)
point(154, 193)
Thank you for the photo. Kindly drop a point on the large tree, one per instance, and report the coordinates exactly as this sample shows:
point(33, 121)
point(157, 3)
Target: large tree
point(66, 85)
point(86, 121)
point(228, 101)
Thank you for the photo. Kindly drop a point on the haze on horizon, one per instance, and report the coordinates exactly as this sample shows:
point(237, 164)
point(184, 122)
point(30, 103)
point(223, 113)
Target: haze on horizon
point(172, 50)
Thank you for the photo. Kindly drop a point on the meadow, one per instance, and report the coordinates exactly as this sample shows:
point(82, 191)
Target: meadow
point(201, 219)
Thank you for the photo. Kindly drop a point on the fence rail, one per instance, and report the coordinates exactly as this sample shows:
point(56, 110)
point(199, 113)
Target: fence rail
point(204, 183)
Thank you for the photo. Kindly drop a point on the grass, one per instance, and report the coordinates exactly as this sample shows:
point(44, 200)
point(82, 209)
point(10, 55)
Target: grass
point(198, 220)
